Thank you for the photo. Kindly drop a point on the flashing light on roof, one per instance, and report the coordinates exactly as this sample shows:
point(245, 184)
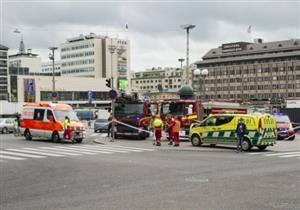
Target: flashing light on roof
point(278, 113)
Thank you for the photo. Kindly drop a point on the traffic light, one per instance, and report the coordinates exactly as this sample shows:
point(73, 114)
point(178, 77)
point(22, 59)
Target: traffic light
point(108, 83)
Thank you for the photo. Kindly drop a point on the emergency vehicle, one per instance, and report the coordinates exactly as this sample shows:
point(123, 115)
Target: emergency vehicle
point(45, 120)
point(221, 129)
point(189, 111)
point(135, 114)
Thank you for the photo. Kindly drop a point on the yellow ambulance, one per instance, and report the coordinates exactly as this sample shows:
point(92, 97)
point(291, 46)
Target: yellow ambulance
point(221, 129)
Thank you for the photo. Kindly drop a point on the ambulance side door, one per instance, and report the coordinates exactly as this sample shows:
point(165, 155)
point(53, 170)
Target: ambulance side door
point(38, 126)
point(49, 124)
point(208, 129)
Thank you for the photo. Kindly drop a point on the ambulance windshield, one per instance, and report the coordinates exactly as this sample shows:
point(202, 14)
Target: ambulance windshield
point(61, 114)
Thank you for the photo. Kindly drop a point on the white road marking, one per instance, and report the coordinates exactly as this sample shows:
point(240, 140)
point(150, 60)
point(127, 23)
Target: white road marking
point(59, 151)
point(281, 153)
point(21, 154)
point(103, 135)
point(67, 150)
point(108, 147)
point(94, 134)
point(131, 147)
point(109, 150)
point(257, 153)
point(11, 158)
point(79, 149)
point(35, 152)
point(287, 156)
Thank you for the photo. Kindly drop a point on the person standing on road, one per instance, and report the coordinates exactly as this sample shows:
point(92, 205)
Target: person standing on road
point(68, 131)
point(175, 132)
point(170, 123)
point(157, 126)
point(240, 131)
point(109, 130)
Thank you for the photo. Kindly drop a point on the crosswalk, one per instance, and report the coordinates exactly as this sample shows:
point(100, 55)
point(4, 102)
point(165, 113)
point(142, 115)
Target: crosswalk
point(285, 154)
point(64, 151)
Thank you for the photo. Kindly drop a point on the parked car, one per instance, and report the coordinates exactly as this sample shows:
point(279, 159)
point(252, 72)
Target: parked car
point(284, 127)
point(7, 125)
point(83, 114)
point(101, 125)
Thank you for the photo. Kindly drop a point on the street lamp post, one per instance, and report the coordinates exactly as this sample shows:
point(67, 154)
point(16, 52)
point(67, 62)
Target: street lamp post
point(181, 61)
point(201, 88)
point(187, 27)
point(52, 57)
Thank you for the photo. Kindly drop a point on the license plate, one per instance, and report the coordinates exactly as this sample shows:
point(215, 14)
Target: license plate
point(182, 133)
point(127, 134)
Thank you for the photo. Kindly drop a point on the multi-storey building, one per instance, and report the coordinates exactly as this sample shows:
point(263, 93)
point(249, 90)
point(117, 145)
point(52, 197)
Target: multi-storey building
point(47, 67)
point(3, 73)
point(252, 71)
point(96, 56)
point(156, 80)
point(26, 60)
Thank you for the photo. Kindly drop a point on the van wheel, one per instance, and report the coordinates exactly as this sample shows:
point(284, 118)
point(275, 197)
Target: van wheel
point(55, 137)
point(79, 140)
point(27, 135)
point(246, 145)
point(195, 140)
point(4, 130)
point(262, 147)
point(292, 138)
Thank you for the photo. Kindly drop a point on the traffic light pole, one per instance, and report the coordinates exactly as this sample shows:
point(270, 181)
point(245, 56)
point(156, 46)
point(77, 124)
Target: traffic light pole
point(113, 113)
point(112, 50)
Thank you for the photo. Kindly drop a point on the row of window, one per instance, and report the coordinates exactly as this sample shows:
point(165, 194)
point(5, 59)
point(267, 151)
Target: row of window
point(251, 96)
point(74, 96)
point(3, 54)
point(76, 55)
point(80, 70)
point(77, 47)
point(251, 79)
point(245, 70)
point(149, 75)
point(156, 87)
point(255, 87)
point(3, 80)
point(79, 62)
point(272, 60)
point(151, 81)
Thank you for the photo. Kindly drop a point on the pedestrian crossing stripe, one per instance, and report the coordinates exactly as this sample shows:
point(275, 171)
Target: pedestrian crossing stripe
point(62, 151)
point(290, 154)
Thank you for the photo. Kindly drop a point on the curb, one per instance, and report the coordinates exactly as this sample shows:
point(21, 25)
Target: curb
point(98, 142)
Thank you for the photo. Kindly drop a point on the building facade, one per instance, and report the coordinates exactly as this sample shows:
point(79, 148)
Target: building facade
point(156, 79)
point(26, 60)
point(251, 71)
point(47, 67)
point(97, 57)
point(75, 91)
point(3, 73)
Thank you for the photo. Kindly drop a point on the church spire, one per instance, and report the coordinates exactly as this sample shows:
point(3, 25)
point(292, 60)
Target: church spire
point(22, 47)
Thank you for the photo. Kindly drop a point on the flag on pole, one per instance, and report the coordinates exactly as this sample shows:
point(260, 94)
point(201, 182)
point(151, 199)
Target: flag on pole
point(249, 29)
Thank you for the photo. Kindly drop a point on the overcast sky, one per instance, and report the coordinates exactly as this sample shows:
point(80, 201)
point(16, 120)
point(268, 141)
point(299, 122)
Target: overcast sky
point(154, 26)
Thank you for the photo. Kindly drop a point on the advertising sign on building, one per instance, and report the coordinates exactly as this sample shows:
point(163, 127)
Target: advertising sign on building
point(29, 90)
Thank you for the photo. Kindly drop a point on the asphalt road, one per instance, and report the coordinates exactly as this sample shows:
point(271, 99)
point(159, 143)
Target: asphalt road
point(136, 177)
